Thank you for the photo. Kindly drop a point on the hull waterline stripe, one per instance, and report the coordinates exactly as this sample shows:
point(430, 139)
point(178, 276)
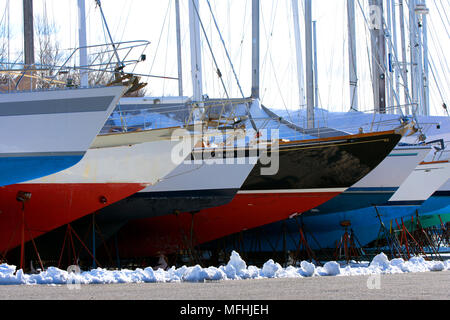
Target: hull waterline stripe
point(42, 154)
point(403, 155)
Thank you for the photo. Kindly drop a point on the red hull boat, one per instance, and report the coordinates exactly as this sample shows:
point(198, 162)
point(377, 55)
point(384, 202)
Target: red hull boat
point(118, 166)
point(170, 233)
point(53, 205)
point(310, 173)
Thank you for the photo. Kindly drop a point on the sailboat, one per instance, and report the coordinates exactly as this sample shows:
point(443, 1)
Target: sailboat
point(46, 131)
point(305, 180)
point(106, 174)
point(326, 224)
point(116, 165)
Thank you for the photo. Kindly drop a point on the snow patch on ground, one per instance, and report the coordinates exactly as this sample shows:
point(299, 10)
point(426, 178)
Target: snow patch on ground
point(235, 269)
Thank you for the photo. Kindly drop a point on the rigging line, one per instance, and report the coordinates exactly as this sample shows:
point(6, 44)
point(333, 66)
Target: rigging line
point(445, 13)
point(226, 51)
point(126, 22)
point(437, 76)
point(382, 64)
point(438, 49)
point(167, 47)
point(264, 59)
point(432, 32)
point(267, 45)
point(159, 39)
point(276, 78)
point(243, 36)
point(291, 66)
point(231, 64)
point(344, 45)
point(432, 67)
point(367, 49)
point(210, 49)
point(279, 88)
point(5, 12)
point(109, 34)
point(269, 54)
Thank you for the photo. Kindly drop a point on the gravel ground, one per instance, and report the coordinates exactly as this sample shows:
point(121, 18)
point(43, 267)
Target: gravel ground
point(412, 286)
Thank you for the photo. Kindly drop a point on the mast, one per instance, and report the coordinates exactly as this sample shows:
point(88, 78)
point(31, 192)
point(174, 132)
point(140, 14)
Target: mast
point(404, 69)
point(353, 76)
point(196, 55)
point(255, 49)
point(395, 44)
point(316, 81)
point(426, 88)
point(84, 82)
point(390, 70)
point(179, 62)
point(414, 48)
point(309, 66)
point(420, 11)
point(298, 51)
point(419, 64)
point(28, 34)
point(378, 56)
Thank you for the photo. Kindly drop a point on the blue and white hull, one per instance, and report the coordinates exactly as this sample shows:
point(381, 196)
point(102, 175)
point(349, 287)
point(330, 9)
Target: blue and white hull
point(44, 132)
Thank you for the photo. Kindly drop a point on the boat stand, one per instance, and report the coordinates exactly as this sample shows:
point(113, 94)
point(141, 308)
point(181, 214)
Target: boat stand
point(408, 242)
point(303, 246)
point(23, 197)
point(188, 244)
point(443, 234)
point(73, 257)
point(392, 242)
point(348, 243)
point(423, 238)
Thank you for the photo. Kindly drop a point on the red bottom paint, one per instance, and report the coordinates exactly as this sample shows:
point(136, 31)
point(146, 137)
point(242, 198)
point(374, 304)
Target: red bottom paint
point(53, 205)
point(170, 233)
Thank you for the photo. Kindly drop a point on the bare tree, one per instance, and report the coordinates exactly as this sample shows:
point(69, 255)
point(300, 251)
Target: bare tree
point(49, 54)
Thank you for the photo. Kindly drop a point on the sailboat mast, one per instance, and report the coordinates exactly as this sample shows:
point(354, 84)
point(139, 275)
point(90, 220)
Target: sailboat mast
point(378, 44)
point(84, 82)
point(353, 76)
point(255, 49)
point(414, 48)
point(426, 88)
point(396, 67)
point(390, 69)
point(196, 55)
point(28, 34)
point(404, 70)
point(298, 51)
point(316, 80)
point(179, 62)
point(309, 66)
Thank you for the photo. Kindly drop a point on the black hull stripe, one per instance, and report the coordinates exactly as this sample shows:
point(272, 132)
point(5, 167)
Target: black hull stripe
point(186, 194)
point(404, 203)
point(443, 193)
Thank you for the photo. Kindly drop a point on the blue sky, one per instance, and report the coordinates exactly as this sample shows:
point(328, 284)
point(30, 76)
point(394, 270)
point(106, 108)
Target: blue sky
point(154, 20)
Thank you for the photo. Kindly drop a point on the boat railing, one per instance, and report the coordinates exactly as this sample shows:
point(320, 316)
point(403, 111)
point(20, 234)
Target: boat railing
point(220, 114)
point(67, 74)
